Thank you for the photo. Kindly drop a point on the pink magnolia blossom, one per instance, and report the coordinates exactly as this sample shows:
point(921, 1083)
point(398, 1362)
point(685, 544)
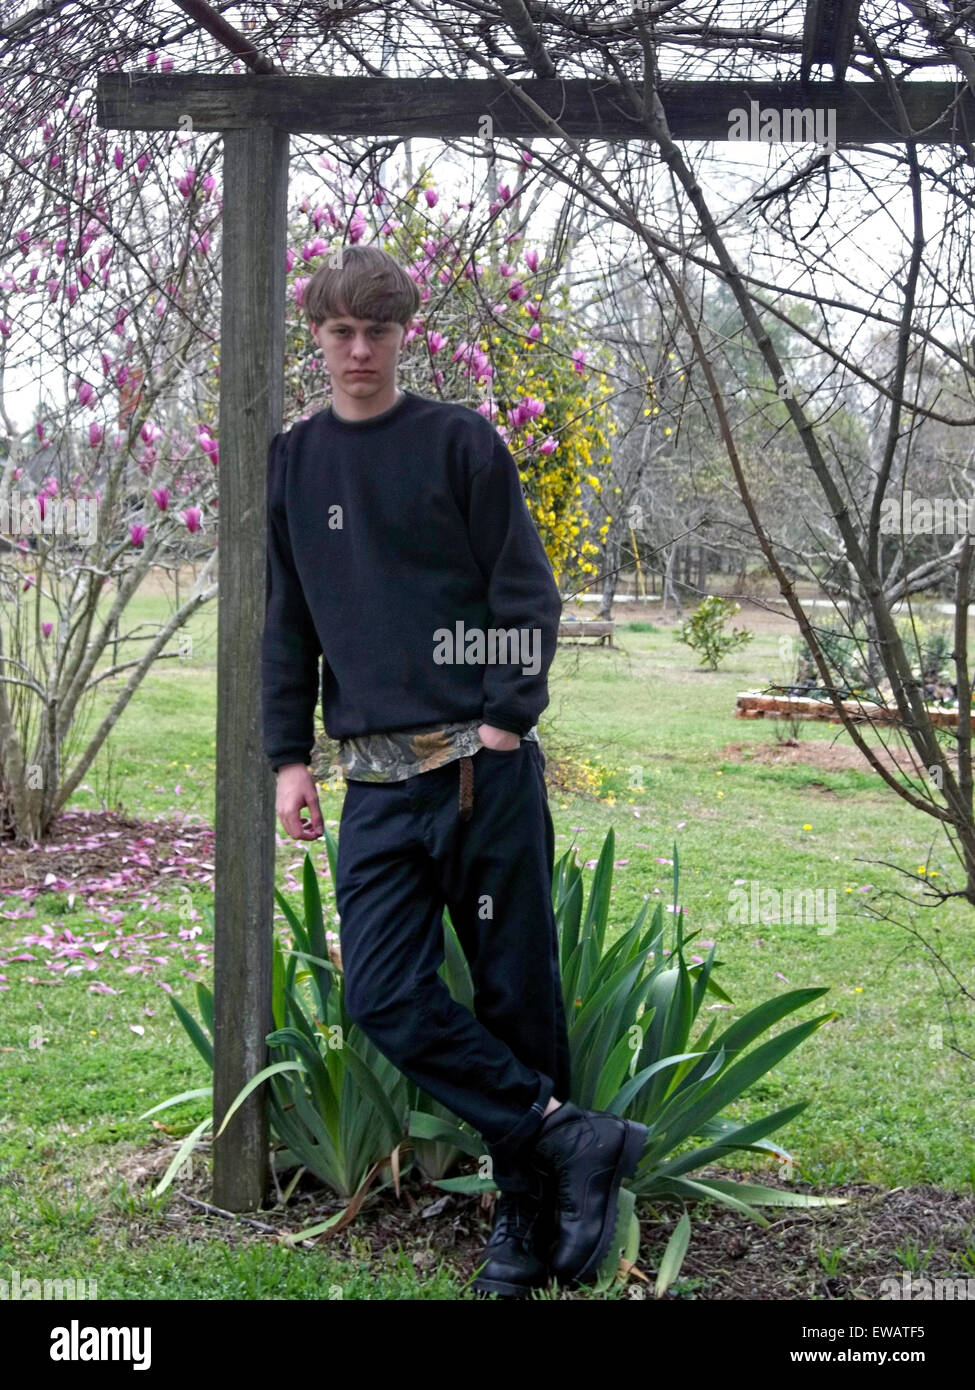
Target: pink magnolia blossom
point(86, 393)
point(357, 226)
point(533, 309)
point(289, 260)
point(531, 260)
point(534, 332)
point(96, 433)
point(161, 496)
point(578, 360)
point(119, 158)
point(517, 290)
point(435, 341)
point(432, 197)
point(209, 445)
point(193, 517)
point(28, 582)
point(185, 184)
point(138, 534)
point(504, 270)
point(548, 446)
point(47, 629)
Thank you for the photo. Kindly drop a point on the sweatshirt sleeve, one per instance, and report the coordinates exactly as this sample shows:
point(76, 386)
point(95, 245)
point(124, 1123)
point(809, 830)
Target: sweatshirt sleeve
point(290, 677)
point(521, 588)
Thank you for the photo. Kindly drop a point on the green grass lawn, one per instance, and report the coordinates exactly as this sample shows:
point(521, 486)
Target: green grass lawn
point(890, 1097)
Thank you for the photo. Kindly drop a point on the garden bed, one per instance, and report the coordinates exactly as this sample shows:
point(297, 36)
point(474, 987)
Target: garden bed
point(843, 1253)
point(753, 704)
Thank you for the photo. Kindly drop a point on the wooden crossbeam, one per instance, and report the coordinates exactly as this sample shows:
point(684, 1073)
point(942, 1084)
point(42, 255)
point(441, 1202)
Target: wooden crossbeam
point(939, 112)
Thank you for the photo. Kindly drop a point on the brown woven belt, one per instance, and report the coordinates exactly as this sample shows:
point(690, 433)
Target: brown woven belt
point(466, 801)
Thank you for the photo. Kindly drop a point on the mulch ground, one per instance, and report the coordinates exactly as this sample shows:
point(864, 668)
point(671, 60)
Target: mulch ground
point(729, 1257)
point(104, 848)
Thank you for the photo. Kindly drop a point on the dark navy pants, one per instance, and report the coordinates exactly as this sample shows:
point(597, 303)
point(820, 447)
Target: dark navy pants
point(404, 852)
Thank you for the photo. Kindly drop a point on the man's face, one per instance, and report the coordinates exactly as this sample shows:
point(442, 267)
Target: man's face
point(361, 355)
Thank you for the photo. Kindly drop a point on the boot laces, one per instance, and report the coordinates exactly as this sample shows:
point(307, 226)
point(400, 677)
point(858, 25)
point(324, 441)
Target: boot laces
point(517, 1215)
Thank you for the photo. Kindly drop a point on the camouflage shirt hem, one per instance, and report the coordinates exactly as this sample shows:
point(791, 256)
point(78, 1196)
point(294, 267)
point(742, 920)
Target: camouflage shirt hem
point(403, 753)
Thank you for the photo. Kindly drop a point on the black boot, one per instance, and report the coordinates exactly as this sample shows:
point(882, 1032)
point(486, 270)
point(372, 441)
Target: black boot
point(588, 1153)
point(515, 1259)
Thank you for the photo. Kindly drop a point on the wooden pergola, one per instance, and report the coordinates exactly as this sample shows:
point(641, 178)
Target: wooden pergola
point(255, 113)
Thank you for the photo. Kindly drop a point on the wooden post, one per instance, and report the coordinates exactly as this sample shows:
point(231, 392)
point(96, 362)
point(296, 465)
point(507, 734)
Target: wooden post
point(255, 184)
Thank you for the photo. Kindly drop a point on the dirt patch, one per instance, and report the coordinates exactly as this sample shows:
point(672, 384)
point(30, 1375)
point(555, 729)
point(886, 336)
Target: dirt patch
point(841, 1253)
point(823, 754)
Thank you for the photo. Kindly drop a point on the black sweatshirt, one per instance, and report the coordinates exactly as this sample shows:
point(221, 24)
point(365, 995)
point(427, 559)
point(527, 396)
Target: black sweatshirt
point(400, 549)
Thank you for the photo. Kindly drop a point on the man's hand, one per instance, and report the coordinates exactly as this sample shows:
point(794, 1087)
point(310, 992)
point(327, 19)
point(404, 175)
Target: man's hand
point(296, 790)
point(501, 739)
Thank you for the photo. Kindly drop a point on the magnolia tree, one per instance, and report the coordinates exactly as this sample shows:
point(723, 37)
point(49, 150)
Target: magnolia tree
point(106, 298)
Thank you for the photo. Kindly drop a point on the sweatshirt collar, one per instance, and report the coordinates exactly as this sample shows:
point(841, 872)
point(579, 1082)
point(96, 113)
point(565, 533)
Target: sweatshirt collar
point(373, 420)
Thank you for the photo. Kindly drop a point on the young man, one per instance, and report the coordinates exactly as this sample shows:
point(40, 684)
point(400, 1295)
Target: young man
point(401, 552)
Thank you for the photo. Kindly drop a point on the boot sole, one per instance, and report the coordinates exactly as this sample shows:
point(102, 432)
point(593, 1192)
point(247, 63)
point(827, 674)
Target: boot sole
point(506, 1290)
point(626, 1165)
